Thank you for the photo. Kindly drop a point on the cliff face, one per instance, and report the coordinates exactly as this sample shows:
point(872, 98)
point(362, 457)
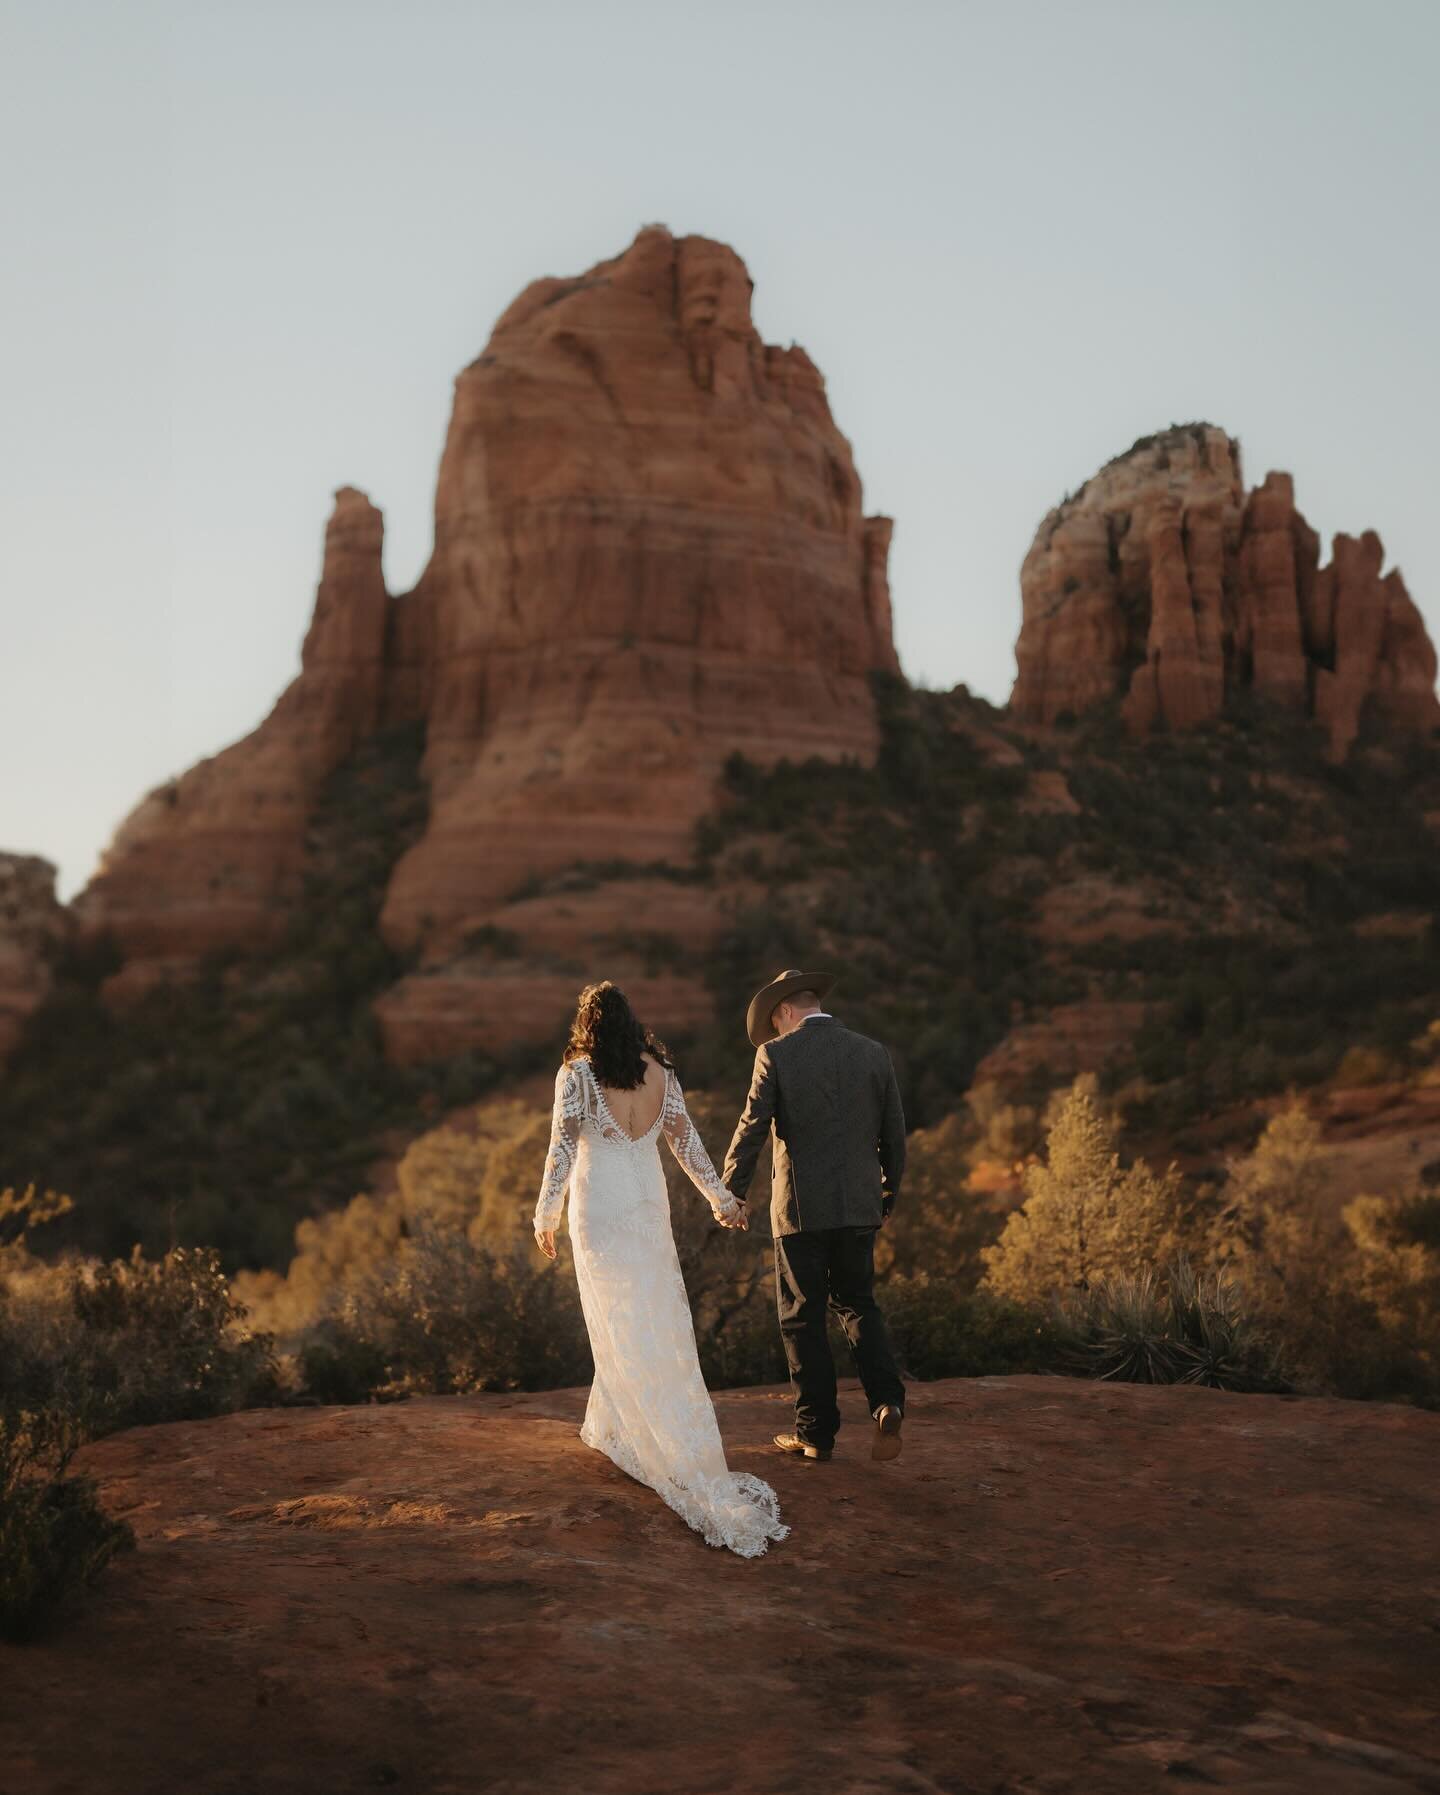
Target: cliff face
point(1162, 582)
point(214, 857)
point(650, 551)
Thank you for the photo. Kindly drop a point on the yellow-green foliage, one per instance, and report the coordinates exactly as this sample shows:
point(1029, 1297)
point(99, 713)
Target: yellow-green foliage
point(480, 1179)
point(1354, 1299)
point(1399, 1275)
point(1005, 1131)
point(483, 1177)
point(1272, 1223)
point(1085, 1216)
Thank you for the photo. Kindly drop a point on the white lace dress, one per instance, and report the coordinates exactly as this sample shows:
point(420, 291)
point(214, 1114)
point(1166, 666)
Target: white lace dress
point(649, 1409)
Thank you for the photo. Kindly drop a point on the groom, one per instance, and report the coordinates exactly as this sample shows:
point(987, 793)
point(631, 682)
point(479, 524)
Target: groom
point(829, 1100)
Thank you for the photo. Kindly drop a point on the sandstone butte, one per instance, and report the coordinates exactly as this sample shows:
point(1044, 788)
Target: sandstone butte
point(649, 551)
point(1075, 1588)
point(1164, 583)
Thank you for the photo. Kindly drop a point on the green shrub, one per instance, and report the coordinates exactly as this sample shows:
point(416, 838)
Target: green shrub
point(939, 1332)
point(445, 1314)
point(129, 1342)
point(744, 1347)
point(55, 1538)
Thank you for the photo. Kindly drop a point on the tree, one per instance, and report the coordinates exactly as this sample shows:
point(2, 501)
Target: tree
point(1273, 1222)
point(1085, 1217)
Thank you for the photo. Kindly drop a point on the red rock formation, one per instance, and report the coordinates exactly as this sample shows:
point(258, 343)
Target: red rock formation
point(650, 551)
point(1278, 557)
point(1121, 594)
point(1161, 583)
point(1383, 657)
point(34, 927)
point(214, 857)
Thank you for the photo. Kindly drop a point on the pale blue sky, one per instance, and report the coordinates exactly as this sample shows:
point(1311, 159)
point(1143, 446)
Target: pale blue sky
point(247, 247)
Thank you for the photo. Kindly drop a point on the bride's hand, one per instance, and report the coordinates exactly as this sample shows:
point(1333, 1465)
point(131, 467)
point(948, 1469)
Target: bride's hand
point(738, 1218)
point(545, 1240)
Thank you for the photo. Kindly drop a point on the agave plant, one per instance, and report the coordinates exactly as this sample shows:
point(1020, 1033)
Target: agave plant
point(1123, 1328)
point(1216, 1344)
point(1177, 1327)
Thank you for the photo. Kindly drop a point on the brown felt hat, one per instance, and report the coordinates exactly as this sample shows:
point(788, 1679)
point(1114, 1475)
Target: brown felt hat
point(757, 1017)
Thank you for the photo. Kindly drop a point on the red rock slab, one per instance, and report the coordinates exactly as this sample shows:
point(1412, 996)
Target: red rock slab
point(1068, 1587)
point(1088, 907)
point(564, 922)
point(430, 1016)
point(1072, 1038)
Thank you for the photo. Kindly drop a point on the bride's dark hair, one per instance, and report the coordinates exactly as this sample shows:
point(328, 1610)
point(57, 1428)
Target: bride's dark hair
point(607, 1029)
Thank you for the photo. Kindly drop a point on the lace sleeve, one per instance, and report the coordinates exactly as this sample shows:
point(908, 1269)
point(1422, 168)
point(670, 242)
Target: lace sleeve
point(565, 1119)
point(689, 1150)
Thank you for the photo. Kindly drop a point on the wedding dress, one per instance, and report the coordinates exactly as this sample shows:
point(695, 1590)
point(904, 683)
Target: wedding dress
point(649, 1409)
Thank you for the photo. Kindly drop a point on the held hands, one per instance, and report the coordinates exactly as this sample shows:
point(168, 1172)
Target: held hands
point(738, 1218)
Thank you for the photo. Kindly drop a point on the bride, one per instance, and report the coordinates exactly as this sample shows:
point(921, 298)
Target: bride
point(615, 1093)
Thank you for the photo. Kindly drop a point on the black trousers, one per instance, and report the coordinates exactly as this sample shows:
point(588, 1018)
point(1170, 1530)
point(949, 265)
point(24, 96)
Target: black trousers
point(832, 1268)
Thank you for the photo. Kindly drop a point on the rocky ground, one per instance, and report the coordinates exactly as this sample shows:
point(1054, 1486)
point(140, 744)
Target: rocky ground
point(1061, 1586)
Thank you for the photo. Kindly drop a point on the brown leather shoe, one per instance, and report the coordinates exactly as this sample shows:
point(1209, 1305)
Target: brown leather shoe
point(886, 1443)
point(798, 1448)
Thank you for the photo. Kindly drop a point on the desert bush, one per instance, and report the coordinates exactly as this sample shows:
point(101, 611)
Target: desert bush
point(1272, 1222)
point(1354, 1298)
point(55, 1538)
point(1416, 1219)
point(1084, 1217)
point(480, 1178)
point(1397, 1263)
point(19, 1214)
point(940, 1331)
point(1179, 1326)
point(444, 1314)
point(437, 1286)
point(111, 1345)
point(742, 1346)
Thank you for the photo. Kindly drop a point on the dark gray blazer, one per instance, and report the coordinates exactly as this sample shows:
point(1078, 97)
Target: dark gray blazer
point(829, 1100)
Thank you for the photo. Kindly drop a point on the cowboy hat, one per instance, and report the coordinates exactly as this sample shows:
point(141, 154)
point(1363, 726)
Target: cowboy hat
point(757, 1017)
